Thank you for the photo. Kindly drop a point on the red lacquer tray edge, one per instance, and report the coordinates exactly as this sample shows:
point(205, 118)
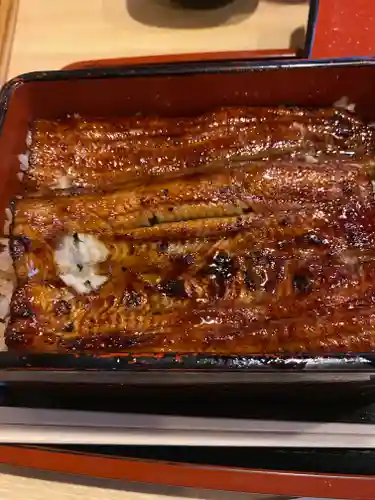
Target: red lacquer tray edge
point(182, 58)
point(189, 475)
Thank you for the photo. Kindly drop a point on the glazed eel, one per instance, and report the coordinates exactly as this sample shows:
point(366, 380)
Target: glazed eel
point(242, 256)
point(94, 153)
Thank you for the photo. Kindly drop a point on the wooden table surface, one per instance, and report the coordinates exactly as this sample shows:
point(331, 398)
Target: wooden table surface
point(8, 18)
point(51, 34)
point(60, 487)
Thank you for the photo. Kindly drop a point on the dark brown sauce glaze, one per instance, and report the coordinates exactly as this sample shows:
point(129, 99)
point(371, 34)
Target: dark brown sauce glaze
point(271, 256)
point(262, 188)
point(98, 153)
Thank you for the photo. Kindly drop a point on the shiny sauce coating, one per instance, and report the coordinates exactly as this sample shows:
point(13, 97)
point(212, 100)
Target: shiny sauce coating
point(241, 231)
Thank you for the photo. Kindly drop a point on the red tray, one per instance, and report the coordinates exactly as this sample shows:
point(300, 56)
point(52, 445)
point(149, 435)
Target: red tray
point(34, 460)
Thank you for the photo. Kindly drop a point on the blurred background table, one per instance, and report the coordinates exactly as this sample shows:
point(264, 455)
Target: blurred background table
point(51, 34)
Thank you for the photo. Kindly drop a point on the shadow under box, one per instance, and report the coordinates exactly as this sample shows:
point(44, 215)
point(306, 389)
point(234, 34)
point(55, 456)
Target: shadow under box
point(190, 14)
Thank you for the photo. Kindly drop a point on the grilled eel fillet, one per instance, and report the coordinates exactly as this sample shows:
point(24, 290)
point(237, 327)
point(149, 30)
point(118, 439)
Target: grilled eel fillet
point(262, 188)
point(171, 248)
point(222, 286)
point(329, 297)
point(77, 152)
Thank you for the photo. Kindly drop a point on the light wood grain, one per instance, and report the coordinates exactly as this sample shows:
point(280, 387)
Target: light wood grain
point(18, 487)
point(51, 33)
point(8, 16)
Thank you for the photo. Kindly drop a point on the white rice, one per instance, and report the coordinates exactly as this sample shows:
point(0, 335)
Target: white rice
point(76, 260)
point(24, 161)
point(88, 282)
point(29, 138)
point(343, 103)
point(7, 274)
point(6, 262)
point(7, 286)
